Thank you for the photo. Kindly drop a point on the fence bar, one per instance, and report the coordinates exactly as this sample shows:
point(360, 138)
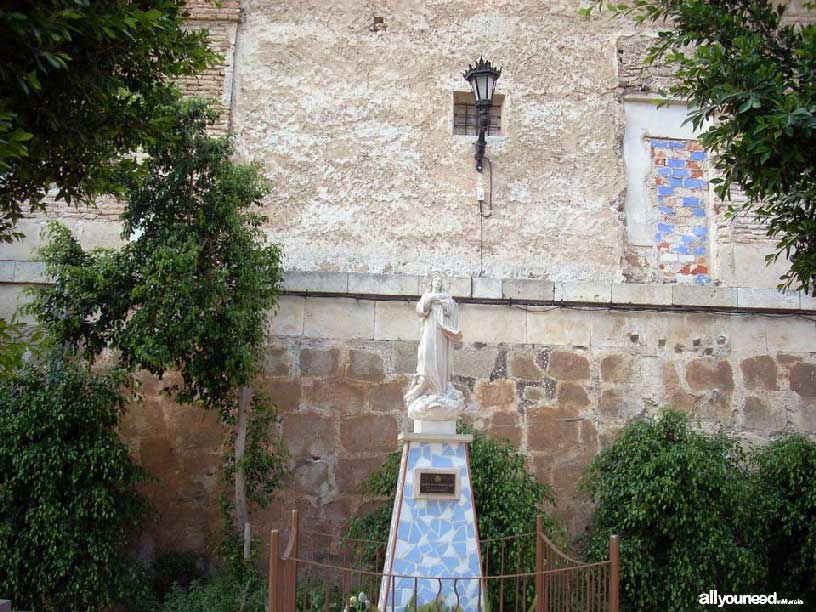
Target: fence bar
point(272, 586)
point(539, 565)
point(614, 573)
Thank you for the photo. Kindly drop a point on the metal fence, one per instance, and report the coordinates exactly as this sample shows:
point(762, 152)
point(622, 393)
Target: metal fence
point(521, 573)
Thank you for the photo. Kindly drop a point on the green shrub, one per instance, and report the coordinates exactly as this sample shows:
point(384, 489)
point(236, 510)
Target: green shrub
point(229, 592)
point(68, 498)
point(681, 502)
point(174, 568)
point(786, 480)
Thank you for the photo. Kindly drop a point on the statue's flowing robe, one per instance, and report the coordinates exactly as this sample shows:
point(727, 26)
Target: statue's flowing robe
point(440, 333)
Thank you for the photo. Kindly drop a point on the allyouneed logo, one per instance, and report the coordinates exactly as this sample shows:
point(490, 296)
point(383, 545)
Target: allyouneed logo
point(713, 598)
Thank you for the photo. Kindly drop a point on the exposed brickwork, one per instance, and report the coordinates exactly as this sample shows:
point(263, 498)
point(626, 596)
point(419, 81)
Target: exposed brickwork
point(681, 235)
point(634, 73)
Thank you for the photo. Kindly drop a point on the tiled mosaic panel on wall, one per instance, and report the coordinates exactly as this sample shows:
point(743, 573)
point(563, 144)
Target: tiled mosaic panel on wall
point(433, 537)
point(681, 232)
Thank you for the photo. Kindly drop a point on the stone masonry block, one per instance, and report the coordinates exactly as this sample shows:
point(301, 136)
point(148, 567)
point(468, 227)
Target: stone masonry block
point(493, 324)
point(631, 293)
point(568, 366)
point(276, 362)
point(803, 379)
point(405, 357)
point(528, 289)
point(558, 327)
point(317, 362)
point(487, 288)
point(366, 366)
point(396, 321)
point(708, 374)
point(790, 335)
point(572, 394)
point(310, 435)
point(559, 430)
point(336, 396)
point(759, 415)
point(767, 298)
point(338, 318)
point(384, 284)
point(367, 433)
point(807, 301)
point(30, 272)
point(289, 319)
point(473, 363)
point(592, 291)
point(352, 472)
point(621, 330)
point(696, 295)
point(759, 373)
point(459, 286)
point(11, 298)
point(7, 271)
point(316, 282)
point(387, 397)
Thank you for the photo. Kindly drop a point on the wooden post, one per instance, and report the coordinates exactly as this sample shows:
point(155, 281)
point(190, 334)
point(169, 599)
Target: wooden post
point(539, 566)
point(274, 566)
point(614, 572)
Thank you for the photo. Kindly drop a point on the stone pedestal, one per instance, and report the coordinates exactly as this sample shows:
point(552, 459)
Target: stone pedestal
point(433, 525)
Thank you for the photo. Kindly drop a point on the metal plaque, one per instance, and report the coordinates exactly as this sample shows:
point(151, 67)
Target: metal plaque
point(436, 484)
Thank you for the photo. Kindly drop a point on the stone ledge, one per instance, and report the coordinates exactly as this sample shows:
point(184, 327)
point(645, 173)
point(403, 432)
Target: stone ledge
point(496, 290)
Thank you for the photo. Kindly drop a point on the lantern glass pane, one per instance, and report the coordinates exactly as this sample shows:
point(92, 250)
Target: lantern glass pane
point(474, 88)
point(483, 79)
point(491, 85)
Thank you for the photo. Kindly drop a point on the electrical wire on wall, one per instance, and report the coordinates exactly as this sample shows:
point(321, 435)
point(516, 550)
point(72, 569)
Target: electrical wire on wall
point(485, 213)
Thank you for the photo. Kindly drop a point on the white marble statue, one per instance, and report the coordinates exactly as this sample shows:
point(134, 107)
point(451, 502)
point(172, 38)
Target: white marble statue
point(432, 396)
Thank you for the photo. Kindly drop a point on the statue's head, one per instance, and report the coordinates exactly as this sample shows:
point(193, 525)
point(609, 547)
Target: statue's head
point(435, 282)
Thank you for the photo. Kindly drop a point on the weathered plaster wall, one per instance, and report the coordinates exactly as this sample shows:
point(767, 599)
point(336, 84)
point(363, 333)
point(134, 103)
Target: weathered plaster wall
point(354, 127)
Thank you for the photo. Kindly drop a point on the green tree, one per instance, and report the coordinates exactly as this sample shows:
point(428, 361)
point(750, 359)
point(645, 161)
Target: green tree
point(190, 291)
point(68, 489)
point(682, 503)
point(81, 83)
point(786, 479)
point(750, 75)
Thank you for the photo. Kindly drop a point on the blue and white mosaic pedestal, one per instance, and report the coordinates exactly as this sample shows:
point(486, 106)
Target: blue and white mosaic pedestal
point(432, 537)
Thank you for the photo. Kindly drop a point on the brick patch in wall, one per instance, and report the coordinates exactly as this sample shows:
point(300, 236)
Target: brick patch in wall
point(681, 229)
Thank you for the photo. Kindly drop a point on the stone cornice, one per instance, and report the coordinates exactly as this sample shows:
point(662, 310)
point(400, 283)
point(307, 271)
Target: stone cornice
point(508, 291)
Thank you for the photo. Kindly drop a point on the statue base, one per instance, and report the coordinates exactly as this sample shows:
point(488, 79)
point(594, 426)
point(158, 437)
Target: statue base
point(434, 533)
point(435, 427)
point(437, 407)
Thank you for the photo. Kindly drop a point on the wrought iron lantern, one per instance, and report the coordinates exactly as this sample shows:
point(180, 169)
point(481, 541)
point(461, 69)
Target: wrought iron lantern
point(482, 78)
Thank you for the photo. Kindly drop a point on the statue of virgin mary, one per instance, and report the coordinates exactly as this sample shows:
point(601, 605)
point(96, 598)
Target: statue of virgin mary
point(432, 396)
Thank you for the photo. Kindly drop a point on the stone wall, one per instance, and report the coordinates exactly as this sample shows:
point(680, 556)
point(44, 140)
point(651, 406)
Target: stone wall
point(557, 378)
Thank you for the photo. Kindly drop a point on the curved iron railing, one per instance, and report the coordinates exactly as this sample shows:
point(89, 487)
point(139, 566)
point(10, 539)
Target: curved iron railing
point(323, 577)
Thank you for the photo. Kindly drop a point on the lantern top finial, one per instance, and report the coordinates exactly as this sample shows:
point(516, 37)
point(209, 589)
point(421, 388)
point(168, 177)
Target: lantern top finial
point(482, 66)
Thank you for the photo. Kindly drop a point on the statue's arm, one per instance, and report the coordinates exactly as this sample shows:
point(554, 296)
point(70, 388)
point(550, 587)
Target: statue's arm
point(423, 306)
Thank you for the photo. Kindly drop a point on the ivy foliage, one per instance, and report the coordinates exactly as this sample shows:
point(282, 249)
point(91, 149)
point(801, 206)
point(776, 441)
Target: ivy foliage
point(681, 502)
point(192, 287)
point(68, 489)
point(82, 83)
point(748, 78)
point(786, 481)
point(508, 500)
